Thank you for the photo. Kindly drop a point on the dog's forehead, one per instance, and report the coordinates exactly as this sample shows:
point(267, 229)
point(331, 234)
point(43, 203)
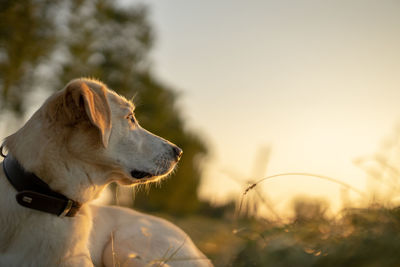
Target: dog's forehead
point(119, 103)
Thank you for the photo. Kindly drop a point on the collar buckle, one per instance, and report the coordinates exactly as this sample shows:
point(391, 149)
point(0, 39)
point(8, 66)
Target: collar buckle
point(67, 208)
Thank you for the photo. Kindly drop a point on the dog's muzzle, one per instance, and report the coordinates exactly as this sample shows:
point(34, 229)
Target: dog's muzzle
point(176, 154)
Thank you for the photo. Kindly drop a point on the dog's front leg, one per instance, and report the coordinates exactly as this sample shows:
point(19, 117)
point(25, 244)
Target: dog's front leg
point(77, 261)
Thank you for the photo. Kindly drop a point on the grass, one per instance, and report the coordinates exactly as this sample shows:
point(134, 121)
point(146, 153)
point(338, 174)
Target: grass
point(367, 236)
point(364, 236)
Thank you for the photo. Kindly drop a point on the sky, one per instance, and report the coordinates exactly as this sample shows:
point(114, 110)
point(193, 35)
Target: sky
point(317, 82)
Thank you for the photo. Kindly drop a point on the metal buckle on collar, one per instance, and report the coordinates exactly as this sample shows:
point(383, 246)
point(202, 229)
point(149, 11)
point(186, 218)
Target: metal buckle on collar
point(1, 151)
point(67, 208)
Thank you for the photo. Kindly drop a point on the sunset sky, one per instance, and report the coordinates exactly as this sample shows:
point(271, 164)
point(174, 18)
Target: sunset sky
point(317, 81)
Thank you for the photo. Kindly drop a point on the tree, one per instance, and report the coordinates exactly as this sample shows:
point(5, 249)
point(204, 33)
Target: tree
point(27, 34)
point(108, 42)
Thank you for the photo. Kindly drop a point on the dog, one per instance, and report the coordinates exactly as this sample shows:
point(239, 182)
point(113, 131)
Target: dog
point(80, 140)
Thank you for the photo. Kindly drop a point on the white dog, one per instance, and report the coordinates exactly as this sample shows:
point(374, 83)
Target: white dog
point(81, 139)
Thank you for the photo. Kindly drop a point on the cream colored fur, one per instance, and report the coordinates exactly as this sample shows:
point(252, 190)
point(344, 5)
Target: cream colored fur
point(81, 139)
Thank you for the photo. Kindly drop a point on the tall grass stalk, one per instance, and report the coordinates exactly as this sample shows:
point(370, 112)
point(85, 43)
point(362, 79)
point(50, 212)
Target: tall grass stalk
point(323, 177)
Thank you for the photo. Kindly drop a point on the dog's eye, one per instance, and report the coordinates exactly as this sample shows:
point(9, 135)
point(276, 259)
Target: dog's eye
point(131, 117)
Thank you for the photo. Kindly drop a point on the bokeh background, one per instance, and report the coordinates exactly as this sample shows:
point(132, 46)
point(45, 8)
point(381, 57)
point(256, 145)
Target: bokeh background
point(303, 93)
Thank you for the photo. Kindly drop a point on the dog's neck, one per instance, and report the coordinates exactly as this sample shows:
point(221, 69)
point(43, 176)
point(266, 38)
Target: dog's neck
point(33, 193)
point(50, 159)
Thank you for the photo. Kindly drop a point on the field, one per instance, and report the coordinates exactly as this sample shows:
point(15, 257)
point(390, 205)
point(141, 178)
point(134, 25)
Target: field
point(356, 237)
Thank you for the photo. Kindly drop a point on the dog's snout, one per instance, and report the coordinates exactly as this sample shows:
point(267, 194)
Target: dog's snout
point(177, 152)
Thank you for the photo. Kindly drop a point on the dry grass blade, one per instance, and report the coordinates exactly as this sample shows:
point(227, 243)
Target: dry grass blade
point(175, 251)
point(161, 261)
point(164, 259)
point(323, 177)
point(114, 254)
point(171, 258)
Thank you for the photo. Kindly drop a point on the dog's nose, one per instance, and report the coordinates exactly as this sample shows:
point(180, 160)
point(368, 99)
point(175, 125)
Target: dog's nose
point(177, 152)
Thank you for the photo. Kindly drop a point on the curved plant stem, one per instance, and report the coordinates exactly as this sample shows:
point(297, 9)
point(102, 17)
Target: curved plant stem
point(323, 177)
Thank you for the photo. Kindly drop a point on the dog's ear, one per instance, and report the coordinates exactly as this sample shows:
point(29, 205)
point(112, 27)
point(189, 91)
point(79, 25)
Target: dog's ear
point(92, 101)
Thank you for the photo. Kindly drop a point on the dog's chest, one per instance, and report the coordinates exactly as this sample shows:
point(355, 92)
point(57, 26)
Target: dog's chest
point(39, 238)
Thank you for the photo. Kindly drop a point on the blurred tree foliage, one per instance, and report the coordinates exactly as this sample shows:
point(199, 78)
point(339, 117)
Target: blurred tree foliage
point(26, 37)
point(104, 40)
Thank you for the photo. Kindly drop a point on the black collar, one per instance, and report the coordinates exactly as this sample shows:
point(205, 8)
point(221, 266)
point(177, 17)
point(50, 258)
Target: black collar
point(35, 194)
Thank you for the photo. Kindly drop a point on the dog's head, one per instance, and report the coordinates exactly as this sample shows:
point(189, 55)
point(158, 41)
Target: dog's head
point(143, 155)
point(86, 128)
